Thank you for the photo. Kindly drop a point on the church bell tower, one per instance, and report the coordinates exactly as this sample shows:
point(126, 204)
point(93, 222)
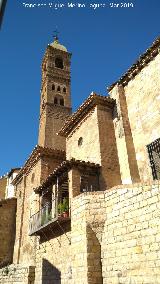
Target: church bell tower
point(55, 106)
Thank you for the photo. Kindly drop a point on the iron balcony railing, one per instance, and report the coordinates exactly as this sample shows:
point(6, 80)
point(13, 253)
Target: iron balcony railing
point(42, 217)
point(47, 214)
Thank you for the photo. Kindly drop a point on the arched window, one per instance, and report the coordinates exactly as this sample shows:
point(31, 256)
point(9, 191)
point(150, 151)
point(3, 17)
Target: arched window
point(62, 102)
point(59, 62)
point(80, 141)
point(58, 88)
point(53, 87)
point(55, 101)
point(64, 90)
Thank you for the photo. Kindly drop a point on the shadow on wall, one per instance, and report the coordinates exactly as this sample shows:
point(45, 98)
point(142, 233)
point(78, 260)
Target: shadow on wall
point(94, 256)
point(50, 232)
point(50, 274)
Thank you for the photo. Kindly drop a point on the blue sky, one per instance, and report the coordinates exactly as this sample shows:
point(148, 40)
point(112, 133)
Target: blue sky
point(104, 43)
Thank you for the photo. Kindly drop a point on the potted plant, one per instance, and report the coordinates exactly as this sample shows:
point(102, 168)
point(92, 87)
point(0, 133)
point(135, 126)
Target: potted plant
point(65, 207)
point(60, 209)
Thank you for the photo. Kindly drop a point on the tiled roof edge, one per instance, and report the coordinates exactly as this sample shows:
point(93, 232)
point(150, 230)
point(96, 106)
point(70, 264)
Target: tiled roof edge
point(37, 152)
point(87, 105)
point(62, 167)
point(143, 60)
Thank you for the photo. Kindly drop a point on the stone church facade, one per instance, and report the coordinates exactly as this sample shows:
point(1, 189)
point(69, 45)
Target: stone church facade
point(86, 205)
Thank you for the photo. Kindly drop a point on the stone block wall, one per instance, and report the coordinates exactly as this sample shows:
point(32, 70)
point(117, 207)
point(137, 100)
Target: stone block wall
point(7, 230)
point(73, 257)
point(143, 102)
point(115, 235)
point(87, 227)
point(131, 238)
point(14, 274)
point(53, 256)
point(114, 238)
point(138, 125)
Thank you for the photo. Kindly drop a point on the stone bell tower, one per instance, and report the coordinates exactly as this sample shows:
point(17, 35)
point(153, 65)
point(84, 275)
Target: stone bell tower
point(55, 106)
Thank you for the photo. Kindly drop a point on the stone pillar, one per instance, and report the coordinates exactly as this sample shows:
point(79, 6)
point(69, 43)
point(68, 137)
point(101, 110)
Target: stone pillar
point(94, 265)
point(74, 182)
point(125, 146)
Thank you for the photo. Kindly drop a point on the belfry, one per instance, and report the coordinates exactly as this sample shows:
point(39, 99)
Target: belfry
point(55, 105)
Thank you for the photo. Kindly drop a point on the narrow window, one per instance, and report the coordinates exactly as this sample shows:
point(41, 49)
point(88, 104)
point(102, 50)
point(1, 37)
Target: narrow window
point(53, 87)
point(32, 178)
point(80, 141)
point(62, 102)
point(55, 101)
point(64, 90)
point(58, 89)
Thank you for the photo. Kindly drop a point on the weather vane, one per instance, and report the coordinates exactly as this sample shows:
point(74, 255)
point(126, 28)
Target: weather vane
point(55, 33)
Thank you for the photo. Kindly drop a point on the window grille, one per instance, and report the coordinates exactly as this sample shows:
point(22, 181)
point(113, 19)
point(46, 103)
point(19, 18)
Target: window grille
point(154, 157)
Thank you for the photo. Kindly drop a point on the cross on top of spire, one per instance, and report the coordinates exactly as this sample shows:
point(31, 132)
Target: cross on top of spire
point(55, 34)
point(56, 43)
